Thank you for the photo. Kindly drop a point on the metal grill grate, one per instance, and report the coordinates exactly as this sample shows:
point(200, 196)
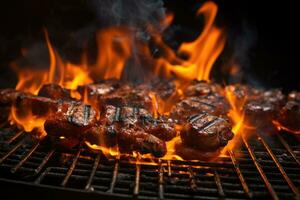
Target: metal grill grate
point(265, 167)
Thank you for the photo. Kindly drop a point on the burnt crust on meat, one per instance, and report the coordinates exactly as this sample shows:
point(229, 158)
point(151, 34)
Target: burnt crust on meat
point(206, 132)
point(54, 91)
point(201, 88)
point(213, 104)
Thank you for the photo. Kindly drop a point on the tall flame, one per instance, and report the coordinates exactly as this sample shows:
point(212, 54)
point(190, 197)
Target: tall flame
point(202, 53)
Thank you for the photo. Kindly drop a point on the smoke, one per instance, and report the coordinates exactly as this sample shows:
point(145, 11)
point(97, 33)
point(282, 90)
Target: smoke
point(242, 43)
point(138, 15)
point(132, 13)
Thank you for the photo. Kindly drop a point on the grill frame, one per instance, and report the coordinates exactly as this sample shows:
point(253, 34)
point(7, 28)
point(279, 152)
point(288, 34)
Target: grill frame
point(197, 179)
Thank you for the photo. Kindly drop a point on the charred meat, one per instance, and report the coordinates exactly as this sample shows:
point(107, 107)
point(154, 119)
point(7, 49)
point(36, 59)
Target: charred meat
point(213, 104)
point(54, 91)
point(162, 127)
point(201, 88)
point(206, 132)
point(289, 115)
point(70, 121)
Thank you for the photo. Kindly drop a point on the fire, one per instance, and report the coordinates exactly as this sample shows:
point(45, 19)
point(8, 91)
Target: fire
point(29, 122)
point(116, 45)
point(236, 114)
point(202, 53)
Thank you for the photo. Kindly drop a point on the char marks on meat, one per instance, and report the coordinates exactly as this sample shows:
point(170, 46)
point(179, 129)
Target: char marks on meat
point(206, 132)
point(213, 104)
point(201, 88)
point(262, 109)
point(71, 120)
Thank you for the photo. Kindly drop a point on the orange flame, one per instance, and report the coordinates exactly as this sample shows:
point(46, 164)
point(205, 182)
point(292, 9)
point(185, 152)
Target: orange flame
point(236, 114)
point(114, 46)
point(202, 53)
point(29, 122)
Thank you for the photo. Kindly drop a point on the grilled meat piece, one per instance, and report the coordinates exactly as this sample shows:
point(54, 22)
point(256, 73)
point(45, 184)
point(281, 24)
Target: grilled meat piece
point(188, 153)
point(70, 120)
point(262, 110)
point(9, 96)
point(162, 127)
point(163, 88)
point(136, 139)
point(294, 96)
point(98, 90)
point(54, 91)
point(201, 88)
point(206, 132)
point(40, 106)
point(289, 115)
point(213, 104)
point(118, 95)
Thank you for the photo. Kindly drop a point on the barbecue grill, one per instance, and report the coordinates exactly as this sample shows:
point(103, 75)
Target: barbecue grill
point(264, 167)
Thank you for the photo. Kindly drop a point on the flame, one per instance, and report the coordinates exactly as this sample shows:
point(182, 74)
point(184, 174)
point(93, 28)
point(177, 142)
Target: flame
point(155, 106)
point(114, 48)
point(29, 122)
point(236, 114)
point(202, 53)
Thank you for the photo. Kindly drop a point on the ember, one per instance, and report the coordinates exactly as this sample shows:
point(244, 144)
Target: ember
point(177, 112)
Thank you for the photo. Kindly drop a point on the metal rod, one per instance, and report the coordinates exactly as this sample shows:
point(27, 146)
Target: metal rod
point(94, 169)
point(44, 161)
point(160, 180)
point(219, 184)
point(169, 168)
point(11, 151)
point(14, 137)
point(288, 148)
point(193, 184)
point(114, 177)
point(64, 182)
point(25, 158)
point(137, 181)
point(259, 169)
point(239, 173)
point(282, 171)
point(41, 177)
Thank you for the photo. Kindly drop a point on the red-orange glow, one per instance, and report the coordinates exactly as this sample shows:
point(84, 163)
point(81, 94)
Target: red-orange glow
point(155, 106)
point(201, 53)
point(114, 48)
point(236, 114)
point(29, 122)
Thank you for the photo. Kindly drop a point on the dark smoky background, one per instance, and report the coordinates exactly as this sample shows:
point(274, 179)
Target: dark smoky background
point(262, 37)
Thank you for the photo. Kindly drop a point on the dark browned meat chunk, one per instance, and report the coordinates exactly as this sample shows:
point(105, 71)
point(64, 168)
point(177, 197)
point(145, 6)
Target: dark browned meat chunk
point(40, 106)
point(201, 88)
point(261, 111)
point(163, 88)
point(289, 116)
point(95, 91)
point(9, 96)
point(206, 132)
point(213, 104)
point(136, 139)
point(54, 91)
point(70, 121)
point(162, 127)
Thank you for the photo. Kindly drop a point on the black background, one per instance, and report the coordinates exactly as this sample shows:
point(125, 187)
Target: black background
point(273, 58)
